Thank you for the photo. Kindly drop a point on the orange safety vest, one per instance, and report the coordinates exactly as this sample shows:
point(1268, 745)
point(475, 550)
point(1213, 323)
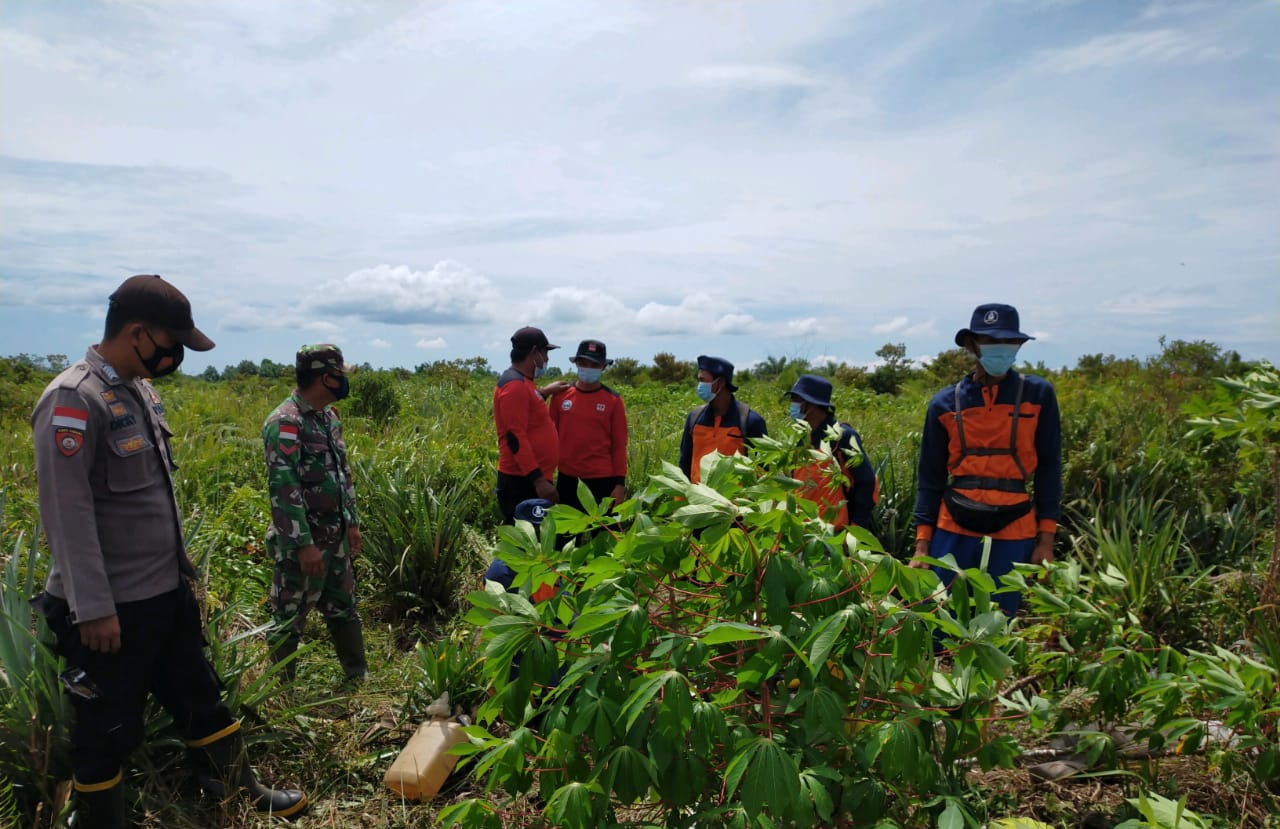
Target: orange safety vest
point(727, 440)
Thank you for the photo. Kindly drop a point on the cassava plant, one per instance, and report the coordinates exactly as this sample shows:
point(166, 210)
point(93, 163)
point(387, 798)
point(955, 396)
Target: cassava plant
point(715, 655)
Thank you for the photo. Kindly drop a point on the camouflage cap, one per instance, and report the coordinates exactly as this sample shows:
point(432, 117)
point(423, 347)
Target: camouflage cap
point(321, 357)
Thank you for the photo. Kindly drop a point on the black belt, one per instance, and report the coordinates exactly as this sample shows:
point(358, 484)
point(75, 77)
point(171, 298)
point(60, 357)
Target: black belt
point(979, 482)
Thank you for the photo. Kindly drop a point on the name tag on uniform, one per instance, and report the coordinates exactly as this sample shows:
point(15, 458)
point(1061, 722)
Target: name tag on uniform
point(131, 445)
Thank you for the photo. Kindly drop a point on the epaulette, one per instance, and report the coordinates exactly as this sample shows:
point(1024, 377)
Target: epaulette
point(72, 378)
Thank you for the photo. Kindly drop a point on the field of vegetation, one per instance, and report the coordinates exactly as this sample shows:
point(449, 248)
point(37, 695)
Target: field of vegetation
point(714, 656)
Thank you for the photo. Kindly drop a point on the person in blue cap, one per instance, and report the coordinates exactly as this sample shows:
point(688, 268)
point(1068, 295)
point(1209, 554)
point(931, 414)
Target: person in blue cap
point(722, 423)
point(842, 502)
point(532, 510)
point(985, 441)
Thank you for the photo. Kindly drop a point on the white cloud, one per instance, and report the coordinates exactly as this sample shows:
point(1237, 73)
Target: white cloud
point(432, 342)
point(449, 293)
point(804, 327)
point(753, 76)
point(1120, 48)
point(378, 342)
point(893, 326)
point(928, 328)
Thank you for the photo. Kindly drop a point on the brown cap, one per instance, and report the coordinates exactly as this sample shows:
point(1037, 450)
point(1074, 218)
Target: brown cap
point(530, 337)
point(322, 357)
point(148, 298)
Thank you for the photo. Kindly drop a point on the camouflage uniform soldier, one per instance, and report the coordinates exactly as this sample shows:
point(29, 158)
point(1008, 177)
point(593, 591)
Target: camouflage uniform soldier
point(314, 532)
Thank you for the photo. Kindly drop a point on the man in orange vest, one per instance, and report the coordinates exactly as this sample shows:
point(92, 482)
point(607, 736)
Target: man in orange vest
point(722, 423)
point(986, 439)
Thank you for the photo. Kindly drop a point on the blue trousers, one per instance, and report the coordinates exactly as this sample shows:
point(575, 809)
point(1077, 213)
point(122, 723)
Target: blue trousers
point(967, 551)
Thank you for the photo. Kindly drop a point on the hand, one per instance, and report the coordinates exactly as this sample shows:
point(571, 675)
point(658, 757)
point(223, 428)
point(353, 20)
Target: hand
point(619, 494)
point(101, 635)
point(1043, 552)
point(545, 489)
point(551, 389)
point(922, 552)
point(310, 562)
point(355, 541)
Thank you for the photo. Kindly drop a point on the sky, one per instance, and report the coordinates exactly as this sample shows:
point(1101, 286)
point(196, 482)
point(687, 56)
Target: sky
point(416, 180)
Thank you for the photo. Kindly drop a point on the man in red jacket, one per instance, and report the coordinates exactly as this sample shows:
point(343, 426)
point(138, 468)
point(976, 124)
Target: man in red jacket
point(592, 423)
point(528, 447)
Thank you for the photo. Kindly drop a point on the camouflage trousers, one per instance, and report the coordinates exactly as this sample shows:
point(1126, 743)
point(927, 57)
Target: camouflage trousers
point(293, 595)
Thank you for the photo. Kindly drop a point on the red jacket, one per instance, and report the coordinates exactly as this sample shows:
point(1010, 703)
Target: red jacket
point(593, 433)
point(527, 443)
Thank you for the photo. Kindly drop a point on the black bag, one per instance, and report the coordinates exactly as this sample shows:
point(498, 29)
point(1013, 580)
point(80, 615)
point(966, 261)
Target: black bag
point(978, 517)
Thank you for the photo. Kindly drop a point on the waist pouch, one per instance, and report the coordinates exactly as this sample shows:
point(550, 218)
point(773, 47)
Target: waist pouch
point(978, 517)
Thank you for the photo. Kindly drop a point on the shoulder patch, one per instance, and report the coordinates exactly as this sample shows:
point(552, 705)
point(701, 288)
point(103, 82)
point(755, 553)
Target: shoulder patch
point(69, 440)
point(288, 438)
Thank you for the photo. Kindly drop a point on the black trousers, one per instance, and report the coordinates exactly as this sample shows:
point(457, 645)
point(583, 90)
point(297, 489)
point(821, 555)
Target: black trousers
point(511, 490)
point(567, 487)
point(161, 653)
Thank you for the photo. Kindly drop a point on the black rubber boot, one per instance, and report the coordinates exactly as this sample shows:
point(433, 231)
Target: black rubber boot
point(348, 644)
point(220, 766)
point(99, 808)
point(282, 649)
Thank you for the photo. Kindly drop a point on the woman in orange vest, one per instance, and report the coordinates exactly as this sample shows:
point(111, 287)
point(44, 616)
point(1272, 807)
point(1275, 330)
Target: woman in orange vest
point(847, 498)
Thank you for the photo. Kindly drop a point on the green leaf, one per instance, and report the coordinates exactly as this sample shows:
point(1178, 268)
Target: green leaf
point(573, 806)
point(722, 632)
point(768, 776)
point(952, 816)
point(826, 634)
point(628, 773)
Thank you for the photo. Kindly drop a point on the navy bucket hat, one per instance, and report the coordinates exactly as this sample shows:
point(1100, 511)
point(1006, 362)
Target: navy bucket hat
point(993, 320)
point(813, 390)
point(717, 367)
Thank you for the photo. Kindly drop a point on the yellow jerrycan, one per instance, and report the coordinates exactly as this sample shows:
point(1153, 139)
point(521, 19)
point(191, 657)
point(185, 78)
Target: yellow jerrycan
point(425, 762)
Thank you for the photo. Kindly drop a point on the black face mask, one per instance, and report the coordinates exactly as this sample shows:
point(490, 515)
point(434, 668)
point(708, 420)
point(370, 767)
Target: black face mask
point(158, 355)
point(343, 389)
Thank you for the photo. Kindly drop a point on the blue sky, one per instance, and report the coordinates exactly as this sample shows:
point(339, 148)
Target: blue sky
point(416, 180)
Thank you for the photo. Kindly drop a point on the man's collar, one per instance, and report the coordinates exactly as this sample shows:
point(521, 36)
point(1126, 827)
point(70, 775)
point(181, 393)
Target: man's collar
point(303, 406)
point(102, 367)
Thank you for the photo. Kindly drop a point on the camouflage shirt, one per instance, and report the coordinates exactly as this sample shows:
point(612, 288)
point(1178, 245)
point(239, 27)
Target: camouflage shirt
point(308, 476)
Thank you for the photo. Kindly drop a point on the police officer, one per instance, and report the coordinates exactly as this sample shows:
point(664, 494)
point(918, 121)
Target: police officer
point(117, 596)
point(314, 530)
point(722, 423)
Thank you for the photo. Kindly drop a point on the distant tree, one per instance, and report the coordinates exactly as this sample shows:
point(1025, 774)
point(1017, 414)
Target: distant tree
point(850, 377)
point(625, 370)
point(245, 368)
point(949, 366)
point(272, 370)
point(893, 370)
point(667, 369)
point(211, 375)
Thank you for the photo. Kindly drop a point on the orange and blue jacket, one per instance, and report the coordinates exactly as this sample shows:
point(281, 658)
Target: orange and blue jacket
point(528, 446)
point(705, 433)
point(986, 470)
point(849, 496)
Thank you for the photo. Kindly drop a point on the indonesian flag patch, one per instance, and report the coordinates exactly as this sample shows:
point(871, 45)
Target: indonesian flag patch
point(68, 428)
point(288, 438)
point(68, 418)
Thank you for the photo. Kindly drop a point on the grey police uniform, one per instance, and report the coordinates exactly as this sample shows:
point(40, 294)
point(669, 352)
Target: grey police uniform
point(104, 469)
point(106, 490)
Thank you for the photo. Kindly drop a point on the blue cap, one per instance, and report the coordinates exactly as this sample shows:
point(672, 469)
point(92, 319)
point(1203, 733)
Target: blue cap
point(717, 367)
point(813, 389)
point(532, 510)
point(993, 320)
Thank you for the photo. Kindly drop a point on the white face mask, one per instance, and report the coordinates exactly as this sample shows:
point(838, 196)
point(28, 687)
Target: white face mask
point(589, 375)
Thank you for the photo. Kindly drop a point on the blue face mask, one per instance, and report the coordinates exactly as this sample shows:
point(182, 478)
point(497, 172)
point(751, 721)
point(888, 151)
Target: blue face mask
point(589, 375)
point(794, 411)
point(540, 368)
point(705, 394)
point(998, 358)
